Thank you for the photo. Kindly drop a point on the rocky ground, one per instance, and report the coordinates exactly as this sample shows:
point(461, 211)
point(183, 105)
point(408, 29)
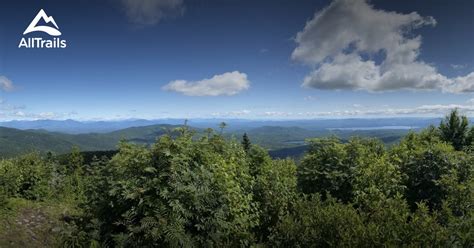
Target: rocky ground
point(27, 224)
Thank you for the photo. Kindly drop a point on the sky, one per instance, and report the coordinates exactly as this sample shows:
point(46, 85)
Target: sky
point(276, 59)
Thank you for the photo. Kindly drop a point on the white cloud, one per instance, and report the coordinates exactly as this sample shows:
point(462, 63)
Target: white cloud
point(229, 83)
point(6, 84)
point(150, 12)
point(22, 115)
point(18, 112)
point(236, 113)
point(354, 46)
point(277, 114)
point(424, 110)
point(437, 109)
point(462, 84)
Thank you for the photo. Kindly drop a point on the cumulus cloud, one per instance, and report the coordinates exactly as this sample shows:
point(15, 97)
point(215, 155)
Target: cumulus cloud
point(354, 46)
point(229, 83)
point(150, 12)
point(462, 84)
point(6, 84)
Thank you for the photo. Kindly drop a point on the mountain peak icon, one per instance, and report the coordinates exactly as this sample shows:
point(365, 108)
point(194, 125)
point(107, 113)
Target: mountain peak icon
point(47, 29)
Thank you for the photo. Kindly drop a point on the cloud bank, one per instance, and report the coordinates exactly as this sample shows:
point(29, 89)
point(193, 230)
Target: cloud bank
point(235, 113)
point(150, 12)
point(354, 46)
point(229, 83)
point(18, 112)
point(430, 110)
point(22, 115)
point(423, 110)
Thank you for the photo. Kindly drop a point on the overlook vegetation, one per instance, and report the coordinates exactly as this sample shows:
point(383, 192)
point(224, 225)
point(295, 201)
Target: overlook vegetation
point(189, 190)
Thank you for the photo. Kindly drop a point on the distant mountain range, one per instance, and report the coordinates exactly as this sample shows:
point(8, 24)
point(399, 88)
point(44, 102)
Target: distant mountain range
point(78, 127)
point(283, 138)
point(16, 141)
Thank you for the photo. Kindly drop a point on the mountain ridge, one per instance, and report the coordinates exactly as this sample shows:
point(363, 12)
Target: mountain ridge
point(274, 138)
point(104, 126)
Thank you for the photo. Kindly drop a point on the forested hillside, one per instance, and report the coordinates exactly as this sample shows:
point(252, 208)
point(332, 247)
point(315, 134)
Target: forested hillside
point(16, 142)
point(189, 190)
point(278, 139)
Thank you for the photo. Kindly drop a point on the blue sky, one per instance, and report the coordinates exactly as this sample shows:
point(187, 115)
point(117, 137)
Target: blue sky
point(277, 59)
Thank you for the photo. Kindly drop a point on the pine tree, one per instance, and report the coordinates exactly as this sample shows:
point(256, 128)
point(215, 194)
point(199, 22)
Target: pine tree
point(246, 142)
point(222, 125)
point(454, 129)
point(76, 160)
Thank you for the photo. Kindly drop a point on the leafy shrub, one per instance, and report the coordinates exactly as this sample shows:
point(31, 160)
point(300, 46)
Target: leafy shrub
point(275, 191)
point(423, 162)
point(329, 165)
point(10, 179)
point(181, 192)
point(313, 222)
point(326, 169)
point(27, 176)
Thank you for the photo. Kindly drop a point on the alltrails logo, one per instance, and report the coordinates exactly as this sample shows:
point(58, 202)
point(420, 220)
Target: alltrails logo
point(38, 42)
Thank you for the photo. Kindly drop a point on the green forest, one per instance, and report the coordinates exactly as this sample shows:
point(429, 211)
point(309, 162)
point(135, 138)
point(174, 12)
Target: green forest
point(189, 190)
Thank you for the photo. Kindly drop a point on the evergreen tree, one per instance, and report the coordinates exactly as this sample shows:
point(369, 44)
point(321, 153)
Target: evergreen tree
point(222, 125)
point(454, 129)
point(246, 142)
point(75, 158)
